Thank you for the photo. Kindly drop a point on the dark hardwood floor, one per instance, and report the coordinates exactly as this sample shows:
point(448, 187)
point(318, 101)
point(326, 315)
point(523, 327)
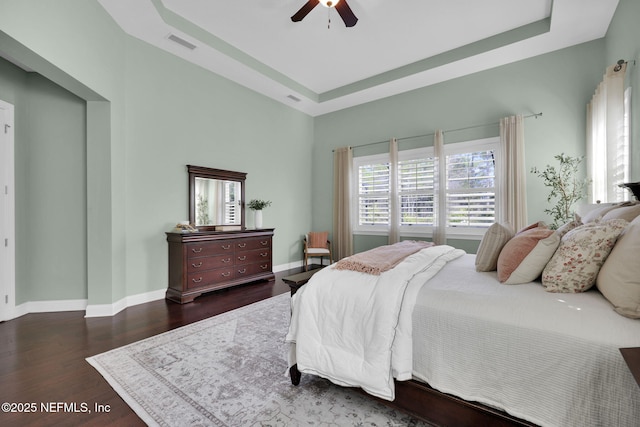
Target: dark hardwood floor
point(42, 355)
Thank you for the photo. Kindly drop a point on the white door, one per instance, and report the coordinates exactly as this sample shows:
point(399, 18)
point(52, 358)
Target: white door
point(7, 213)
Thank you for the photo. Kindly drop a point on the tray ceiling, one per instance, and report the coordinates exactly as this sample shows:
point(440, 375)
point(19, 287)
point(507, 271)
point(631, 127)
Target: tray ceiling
point(396, 46)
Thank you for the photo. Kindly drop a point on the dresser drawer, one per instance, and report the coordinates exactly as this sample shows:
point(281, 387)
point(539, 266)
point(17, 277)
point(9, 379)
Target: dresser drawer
point(252, 269)
point(206, 278)
point(253, 243)
point(252, 257)
point(208, 263)
point(196, 250)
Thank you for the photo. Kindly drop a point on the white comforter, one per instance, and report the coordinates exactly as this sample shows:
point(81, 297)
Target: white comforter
point(348, 326)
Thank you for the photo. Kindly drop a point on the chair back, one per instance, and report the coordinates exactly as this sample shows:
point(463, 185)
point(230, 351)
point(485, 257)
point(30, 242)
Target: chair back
point(317, 239)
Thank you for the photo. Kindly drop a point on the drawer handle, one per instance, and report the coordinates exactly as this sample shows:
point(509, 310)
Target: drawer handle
point(196, 265)
point(197, 280)
point(225, 247)
point(196, 251)
point(264, 254)
point(226, 260)
point(244, 270)
point(242, 258)
point(242, 245)
point(264, 243)
point(264, 267)
point(226, 274)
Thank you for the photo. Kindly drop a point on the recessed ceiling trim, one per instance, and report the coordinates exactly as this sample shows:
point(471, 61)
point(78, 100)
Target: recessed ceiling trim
point(482, 46)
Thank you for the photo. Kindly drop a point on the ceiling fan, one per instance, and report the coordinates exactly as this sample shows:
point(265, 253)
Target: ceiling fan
point(341, 6)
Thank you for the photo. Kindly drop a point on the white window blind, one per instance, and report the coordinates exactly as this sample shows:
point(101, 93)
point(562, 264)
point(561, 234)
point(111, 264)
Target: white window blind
point(470, 197)
point(416, 181)
point(231, 203)
point(373, 194)
point(471, 193)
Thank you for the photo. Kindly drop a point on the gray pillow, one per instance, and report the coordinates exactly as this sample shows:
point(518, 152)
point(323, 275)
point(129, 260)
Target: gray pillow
point(492, 243)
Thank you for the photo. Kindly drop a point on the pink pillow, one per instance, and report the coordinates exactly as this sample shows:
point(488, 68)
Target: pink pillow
point(524, 257)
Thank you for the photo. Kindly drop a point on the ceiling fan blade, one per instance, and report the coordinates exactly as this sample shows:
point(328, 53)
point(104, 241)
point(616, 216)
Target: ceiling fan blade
point(304, 10)
point(346, 13)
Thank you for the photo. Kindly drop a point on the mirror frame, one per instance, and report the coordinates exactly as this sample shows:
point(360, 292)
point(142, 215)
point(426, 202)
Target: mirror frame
point(204, 172)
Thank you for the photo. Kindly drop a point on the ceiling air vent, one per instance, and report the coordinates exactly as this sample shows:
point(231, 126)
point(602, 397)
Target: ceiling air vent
point(293, 98)
point(181, 41)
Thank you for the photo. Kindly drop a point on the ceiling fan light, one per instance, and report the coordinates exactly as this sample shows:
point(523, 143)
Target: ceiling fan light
point(329, 3)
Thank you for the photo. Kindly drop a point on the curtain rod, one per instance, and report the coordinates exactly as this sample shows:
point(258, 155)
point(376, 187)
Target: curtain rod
point(536, 115)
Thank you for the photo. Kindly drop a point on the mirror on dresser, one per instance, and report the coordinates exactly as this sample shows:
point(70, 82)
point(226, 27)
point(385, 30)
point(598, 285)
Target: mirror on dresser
point(216, 198)
point(222, 252)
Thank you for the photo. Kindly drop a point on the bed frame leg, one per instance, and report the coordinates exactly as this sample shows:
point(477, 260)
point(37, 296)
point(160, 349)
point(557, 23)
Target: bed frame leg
point(295, 375)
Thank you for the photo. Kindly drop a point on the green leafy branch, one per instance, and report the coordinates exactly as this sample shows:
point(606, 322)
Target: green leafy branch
point(258, 205)
point(566, 187)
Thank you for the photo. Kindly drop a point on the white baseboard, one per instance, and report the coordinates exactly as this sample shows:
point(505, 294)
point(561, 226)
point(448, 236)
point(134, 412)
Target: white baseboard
point(47, 307)
point(102, 310)
point(289, 266)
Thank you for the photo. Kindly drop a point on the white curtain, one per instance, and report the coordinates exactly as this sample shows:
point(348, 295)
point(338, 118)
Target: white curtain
point(394, 201)
point(608, 138)
point(512, 197)
point(342, 175)
point(440, 188)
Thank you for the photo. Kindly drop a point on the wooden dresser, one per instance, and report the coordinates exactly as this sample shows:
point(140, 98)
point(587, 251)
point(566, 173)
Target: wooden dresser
point(206, 261)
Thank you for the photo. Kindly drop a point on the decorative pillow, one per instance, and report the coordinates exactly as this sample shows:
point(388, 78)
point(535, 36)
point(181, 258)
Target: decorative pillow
point(564, 229)
point(318, 239)
point(492, 243)
point(539, 224)
point(619, 277)
point(575, 265)
point(523, 258)
point(626, 212)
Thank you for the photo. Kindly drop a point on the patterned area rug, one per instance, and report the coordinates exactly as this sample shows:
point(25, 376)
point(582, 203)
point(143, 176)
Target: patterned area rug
point(229, 370)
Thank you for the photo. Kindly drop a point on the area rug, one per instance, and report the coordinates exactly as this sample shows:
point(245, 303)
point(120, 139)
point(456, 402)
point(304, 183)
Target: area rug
point(229, 370)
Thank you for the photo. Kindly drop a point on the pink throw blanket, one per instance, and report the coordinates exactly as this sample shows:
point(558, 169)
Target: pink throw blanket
point(382, 258)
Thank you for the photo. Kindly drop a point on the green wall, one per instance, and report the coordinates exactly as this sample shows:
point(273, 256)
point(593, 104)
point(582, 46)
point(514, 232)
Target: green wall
point(143, 115)
point(558, 84)
point(179, 114)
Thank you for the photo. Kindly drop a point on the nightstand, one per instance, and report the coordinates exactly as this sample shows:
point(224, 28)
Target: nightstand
point(632, 357)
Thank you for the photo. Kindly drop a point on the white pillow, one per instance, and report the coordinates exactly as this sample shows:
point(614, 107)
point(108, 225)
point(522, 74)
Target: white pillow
point(598, 212)
point(619, 277)
point(627, 211)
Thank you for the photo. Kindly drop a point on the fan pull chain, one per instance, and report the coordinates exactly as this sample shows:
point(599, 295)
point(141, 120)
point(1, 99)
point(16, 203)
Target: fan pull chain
point(328, 18)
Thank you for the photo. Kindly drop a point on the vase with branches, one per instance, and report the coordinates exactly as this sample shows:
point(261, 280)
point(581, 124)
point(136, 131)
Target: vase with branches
point(566, 186)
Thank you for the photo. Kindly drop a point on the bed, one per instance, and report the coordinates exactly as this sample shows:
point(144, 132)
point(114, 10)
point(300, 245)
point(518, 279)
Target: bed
point(456, 346)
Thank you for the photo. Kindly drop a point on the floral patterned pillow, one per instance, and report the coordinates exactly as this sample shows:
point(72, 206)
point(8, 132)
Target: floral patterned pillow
point(575, 265)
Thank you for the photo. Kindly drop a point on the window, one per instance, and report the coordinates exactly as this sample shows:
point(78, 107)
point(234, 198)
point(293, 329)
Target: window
point(470, 190)
point(608, 128)
point(416, 182)
point(231, 203)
